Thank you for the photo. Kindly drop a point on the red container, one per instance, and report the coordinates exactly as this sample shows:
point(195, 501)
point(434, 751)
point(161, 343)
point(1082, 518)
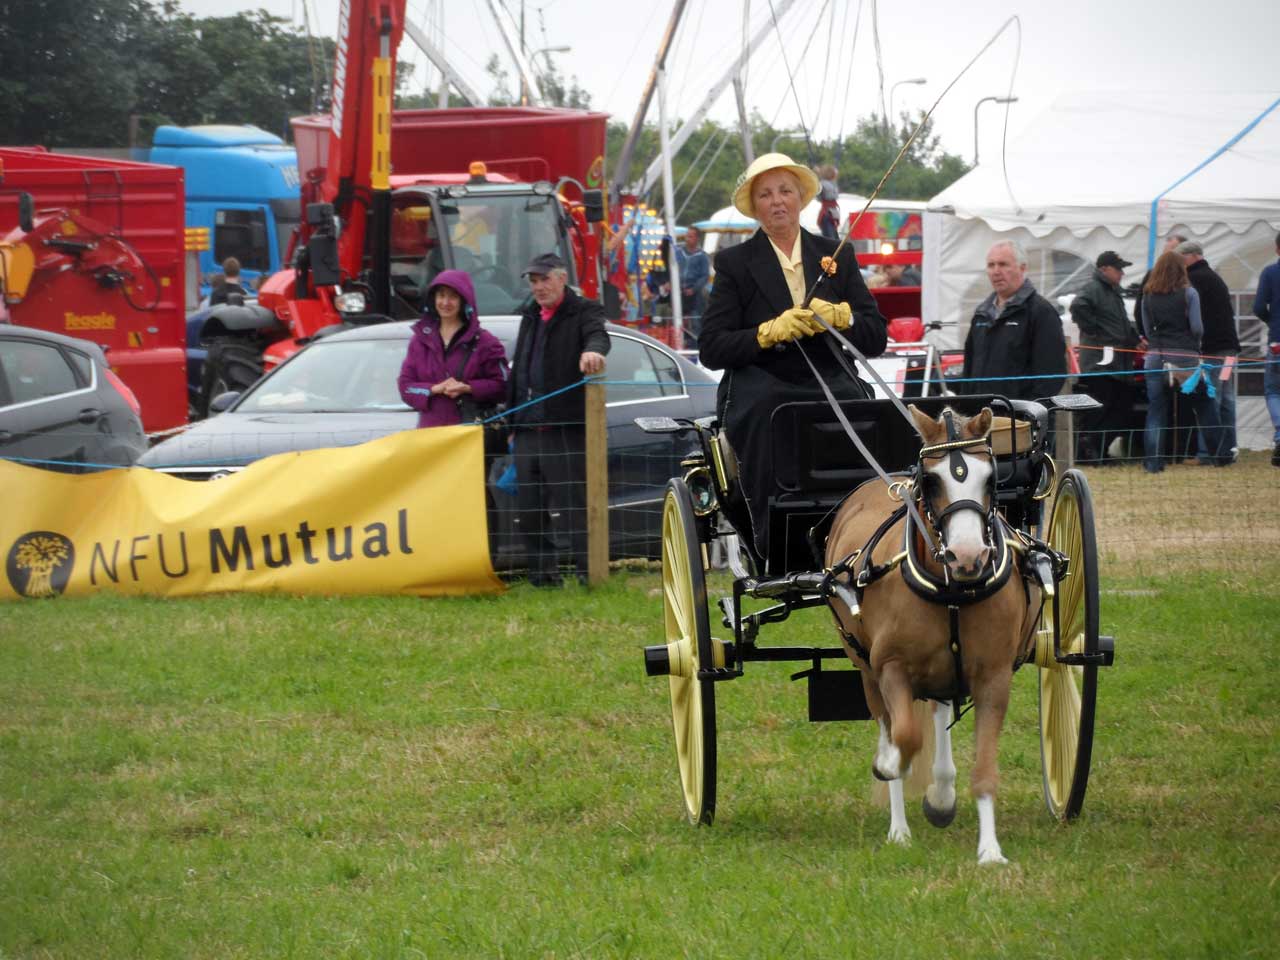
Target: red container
point(140, 322)
point(522, 143)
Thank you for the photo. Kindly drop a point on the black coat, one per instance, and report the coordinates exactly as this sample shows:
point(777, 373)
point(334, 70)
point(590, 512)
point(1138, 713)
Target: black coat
point(750, 289)
point(1220, 337)
point(223, 292)
point(1024, 341)
point(577, 327)
point(1098, 311)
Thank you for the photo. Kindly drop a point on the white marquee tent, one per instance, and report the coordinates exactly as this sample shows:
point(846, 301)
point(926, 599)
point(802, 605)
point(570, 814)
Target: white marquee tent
point(1093, 173)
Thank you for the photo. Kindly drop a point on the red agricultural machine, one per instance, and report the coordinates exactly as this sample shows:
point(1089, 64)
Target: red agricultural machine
point(95, 248)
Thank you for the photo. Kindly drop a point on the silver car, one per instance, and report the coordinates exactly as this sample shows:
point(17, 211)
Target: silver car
point(61, 405)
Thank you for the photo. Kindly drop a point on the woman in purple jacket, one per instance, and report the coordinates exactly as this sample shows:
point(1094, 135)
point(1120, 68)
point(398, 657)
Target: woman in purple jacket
point(451, 363)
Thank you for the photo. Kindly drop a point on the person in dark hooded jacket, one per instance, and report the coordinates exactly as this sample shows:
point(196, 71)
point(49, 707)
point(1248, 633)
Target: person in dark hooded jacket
point(452, 363)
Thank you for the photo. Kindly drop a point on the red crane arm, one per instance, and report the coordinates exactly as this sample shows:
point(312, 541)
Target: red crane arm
point(369, 33)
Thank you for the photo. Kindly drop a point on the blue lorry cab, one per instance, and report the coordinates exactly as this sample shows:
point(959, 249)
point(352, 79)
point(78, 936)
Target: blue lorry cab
point(242, 185)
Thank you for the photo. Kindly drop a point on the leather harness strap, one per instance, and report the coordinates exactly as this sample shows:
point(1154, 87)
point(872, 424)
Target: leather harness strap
point(864, 571)
point(853, 434)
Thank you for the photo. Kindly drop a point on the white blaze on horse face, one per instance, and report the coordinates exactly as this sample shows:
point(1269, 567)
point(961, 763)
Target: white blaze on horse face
point(965, 531)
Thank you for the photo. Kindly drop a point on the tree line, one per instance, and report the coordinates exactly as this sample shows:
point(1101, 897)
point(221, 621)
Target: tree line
point(706, 170)
point(98, 73)
point(103, 73)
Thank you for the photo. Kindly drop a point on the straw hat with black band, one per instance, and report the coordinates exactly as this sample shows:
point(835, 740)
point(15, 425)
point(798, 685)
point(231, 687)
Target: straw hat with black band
point(742, 198)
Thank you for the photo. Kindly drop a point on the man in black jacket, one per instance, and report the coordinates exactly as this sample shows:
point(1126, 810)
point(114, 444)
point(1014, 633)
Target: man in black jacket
point(1220, 345)
point(1015, 346)
point(562, 338)
point(1107, 341)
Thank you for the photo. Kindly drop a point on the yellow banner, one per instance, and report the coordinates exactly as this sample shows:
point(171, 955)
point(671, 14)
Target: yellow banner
point(402, 514)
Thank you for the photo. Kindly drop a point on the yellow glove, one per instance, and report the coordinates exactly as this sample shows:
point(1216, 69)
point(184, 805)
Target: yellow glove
point(839, 315)
point(791, 325)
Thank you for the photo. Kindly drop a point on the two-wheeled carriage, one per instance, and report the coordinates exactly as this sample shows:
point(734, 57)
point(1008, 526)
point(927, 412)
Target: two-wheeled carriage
point(816, 466)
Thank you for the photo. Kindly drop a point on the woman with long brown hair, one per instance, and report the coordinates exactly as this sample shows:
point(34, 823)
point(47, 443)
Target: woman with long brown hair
point(1171, 319)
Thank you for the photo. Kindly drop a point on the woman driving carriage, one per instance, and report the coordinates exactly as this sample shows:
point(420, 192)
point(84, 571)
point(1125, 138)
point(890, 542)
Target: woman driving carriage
point(756, 330)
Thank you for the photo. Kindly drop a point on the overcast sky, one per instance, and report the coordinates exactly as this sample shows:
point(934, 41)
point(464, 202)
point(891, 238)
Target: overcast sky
point(1120, 45)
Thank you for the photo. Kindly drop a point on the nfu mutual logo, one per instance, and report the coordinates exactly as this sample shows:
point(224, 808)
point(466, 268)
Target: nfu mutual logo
point(39, 564)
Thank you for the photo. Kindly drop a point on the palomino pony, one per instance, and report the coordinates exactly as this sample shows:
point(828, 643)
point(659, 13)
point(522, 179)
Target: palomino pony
point(906, 645)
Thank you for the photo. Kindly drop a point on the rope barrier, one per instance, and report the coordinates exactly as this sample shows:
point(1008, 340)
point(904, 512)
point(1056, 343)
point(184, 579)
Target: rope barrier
point(83, 465)
point(1242, 366)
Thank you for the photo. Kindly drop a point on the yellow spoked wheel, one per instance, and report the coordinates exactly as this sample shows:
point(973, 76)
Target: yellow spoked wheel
point(688, 634)
point(1068, 693)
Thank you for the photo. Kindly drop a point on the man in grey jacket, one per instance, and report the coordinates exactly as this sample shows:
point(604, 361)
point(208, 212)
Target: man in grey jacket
point(1107, 339)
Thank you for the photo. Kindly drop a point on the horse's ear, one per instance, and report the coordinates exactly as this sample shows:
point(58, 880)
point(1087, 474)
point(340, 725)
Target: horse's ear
point(926, 426)
point(980, 425)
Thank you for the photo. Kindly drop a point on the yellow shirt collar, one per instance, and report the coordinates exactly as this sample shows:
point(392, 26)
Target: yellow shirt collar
point(792, 270)
point(791, 262)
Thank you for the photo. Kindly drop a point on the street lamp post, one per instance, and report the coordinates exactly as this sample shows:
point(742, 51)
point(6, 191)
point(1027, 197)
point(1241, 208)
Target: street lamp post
point(773, 147)
point(545, 53)
point(975, 120)
point(546, 50)
point(888, 121)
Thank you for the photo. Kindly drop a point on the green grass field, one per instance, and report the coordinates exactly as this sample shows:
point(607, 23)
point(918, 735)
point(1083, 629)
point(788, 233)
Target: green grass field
point(252, 777)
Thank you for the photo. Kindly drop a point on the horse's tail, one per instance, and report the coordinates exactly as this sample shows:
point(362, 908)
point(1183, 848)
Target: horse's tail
point(920, 776)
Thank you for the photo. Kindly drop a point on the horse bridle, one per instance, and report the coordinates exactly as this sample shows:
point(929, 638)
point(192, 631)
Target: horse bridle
point(953, 448)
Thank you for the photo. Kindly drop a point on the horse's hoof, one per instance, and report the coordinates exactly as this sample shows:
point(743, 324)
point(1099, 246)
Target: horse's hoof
point(939, 818)
point(991, 857)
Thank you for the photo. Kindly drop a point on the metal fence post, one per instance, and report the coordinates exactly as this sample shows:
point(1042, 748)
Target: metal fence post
point(1065, 426)
point(597, 485)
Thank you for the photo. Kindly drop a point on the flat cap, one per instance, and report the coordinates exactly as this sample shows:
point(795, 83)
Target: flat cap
point(543, 264)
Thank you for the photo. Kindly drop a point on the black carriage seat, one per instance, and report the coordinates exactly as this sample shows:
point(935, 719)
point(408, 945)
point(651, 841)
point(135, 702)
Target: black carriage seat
point(728, 461)
point(816, 465)
point(1020, 442)
point(733, 506)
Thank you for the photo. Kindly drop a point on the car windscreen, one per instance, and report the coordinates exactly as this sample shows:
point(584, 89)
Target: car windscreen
point(333, 376)
point(492, 237)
